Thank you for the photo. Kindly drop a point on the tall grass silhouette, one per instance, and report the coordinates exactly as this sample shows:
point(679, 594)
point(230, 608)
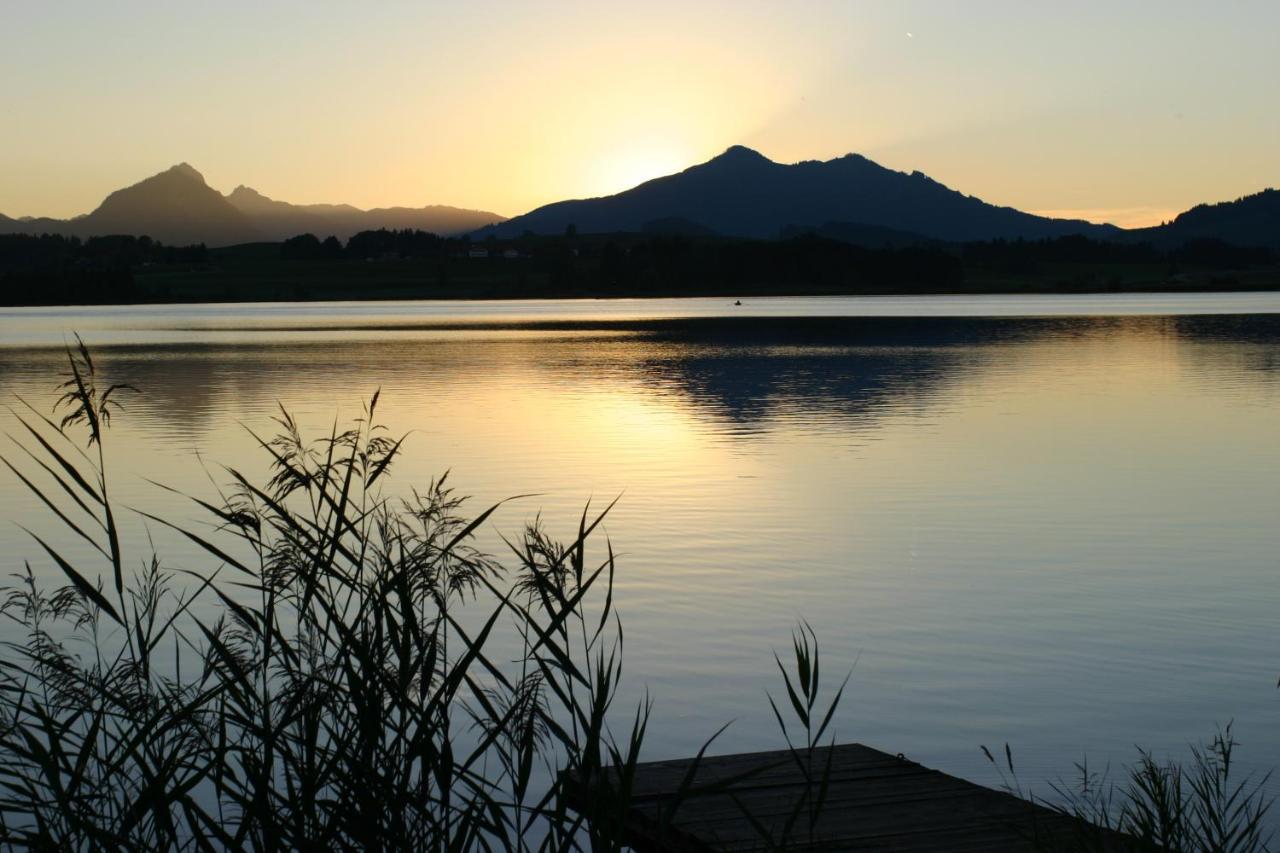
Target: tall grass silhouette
point(1202, 806)
point(339, 700)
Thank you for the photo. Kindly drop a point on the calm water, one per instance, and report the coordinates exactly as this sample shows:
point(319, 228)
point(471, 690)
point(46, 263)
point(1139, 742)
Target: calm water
point(1050, 521)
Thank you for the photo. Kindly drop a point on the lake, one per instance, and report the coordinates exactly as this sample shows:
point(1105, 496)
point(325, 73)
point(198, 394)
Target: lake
point(1047, 521)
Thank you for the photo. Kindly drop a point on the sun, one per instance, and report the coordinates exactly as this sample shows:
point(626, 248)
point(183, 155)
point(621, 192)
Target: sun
point(631, 164)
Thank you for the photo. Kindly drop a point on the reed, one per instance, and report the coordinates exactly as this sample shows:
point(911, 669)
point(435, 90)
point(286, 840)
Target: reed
point(1200, 806)
point(341, 699)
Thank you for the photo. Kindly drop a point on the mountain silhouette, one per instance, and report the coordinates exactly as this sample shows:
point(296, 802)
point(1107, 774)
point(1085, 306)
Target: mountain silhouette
point(178, 207)
point(175, 206)
point(743, 193)
point(279, 220)
point(867, 236)
point(35, 225)
point(275, 217)
point(740, 193)
point(1253, 220)
point(676, 226)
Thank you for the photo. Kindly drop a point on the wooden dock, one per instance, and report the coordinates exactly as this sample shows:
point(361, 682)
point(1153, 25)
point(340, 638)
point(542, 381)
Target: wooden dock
point(875, 802)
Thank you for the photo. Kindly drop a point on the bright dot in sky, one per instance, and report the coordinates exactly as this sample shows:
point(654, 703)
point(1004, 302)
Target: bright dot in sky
point(911, 35)
point(625, 166)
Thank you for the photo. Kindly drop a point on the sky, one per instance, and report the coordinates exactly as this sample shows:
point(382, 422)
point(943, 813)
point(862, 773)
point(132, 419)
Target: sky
point(1121, 111)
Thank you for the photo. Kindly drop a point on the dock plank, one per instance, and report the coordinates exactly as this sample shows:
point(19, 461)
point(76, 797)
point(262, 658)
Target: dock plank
point(876, 801)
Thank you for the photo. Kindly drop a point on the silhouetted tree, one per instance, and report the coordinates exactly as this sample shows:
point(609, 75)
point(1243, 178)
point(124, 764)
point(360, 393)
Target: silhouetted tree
point(304, 247)
point(331, 248)
point(401, 244)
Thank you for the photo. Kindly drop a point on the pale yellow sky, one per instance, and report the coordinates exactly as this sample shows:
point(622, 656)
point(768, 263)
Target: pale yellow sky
point(1121, 111)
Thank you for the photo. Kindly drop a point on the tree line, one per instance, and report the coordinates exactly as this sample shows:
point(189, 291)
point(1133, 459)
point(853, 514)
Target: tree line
point(1031, 255)
point(60, 270)
point(56, 269)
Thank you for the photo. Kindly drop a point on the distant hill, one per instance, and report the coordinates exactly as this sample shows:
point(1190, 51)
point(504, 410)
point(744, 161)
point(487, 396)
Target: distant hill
point(178, 207)
point(1250, 221)
point(35, 224)
point(279, 220)
point(743, 193)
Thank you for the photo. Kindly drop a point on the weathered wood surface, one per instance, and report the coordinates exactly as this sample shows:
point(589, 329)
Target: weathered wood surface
point(875, 802)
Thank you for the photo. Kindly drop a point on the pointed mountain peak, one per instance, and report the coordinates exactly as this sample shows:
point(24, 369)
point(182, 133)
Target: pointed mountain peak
point(741, 154)
point(246, 193)
point(183, 170)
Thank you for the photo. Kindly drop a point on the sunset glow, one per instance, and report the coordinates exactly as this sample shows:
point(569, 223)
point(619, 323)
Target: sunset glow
point(505, 106)
point(628, 167)
point(366, 367)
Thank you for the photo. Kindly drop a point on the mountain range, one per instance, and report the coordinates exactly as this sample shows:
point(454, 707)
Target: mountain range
point(740, 193)
point(178, 207)
point(1253, 220)
point(743, 193)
